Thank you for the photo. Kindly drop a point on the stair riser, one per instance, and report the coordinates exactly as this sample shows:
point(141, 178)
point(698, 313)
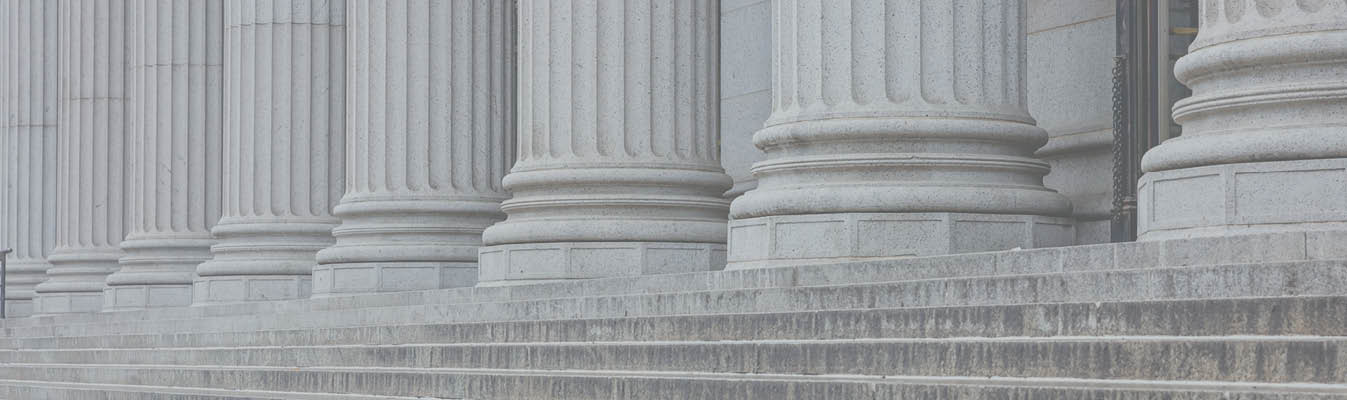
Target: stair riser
point(1247, 361)
point(1279, 247)
point(46, 393)
point(1279, 316)
point(36, 390)
point(499, 386)
point(1248, 280)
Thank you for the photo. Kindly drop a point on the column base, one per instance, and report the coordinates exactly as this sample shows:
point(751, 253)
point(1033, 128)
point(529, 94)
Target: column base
point(512, 264)
point(1243, 198)
point(245, 288)
point(136, 297)
point(18, 308)
point(373, 277)
point(67, 303)
point(784, 240)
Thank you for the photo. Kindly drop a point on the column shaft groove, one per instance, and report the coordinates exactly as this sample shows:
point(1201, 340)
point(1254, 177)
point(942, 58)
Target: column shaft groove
point(1263, 147)
point(898, 127)
point(284, 144)
point(619, 170)
point(28, 100)
point(175, 150)
point(431, 113)
point(91, 218)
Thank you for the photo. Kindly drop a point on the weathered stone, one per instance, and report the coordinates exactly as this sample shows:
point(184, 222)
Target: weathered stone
point(619, 162)
point(605, 280)
point(1262, 147)
point(745, 86)
point(1071, 49)
point(93, 213)
point(284, 148)
point(29, 103)
point(431, 113)
point(174, 148)
point(872, 152)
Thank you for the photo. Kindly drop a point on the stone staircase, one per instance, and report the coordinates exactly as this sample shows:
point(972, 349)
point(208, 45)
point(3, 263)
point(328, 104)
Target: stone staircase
point(1252, 317)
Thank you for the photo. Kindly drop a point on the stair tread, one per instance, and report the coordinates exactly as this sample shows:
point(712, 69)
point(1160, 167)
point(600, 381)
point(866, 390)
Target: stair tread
point(1114, 256)
point(198, 393)
point(1223, 281)
point(993, 381)
point(1228, 358)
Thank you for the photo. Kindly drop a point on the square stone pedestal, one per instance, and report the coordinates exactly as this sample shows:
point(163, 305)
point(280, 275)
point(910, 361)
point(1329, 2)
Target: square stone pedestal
point(1243, 198)
point(370, 277)
point(514, 264)
point(797, 239)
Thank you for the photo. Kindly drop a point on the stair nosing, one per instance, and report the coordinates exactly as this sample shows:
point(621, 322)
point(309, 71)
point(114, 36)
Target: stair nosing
point(1036, 382)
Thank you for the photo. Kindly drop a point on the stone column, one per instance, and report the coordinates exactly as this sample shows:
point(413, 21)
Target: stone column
point(898, 128)
point(619, 161)
point(28, 101)
point(431, 118)
point(177, 57)
point(91, 207)
point(284, 131)
point(1264, 145)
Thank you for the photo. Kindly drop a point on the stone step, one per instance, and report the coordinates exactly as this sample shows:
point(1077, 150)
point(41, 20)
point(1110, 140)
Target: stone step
point(516, 384)
point(1281, 247)
point(1304, 278)
point(38, 390)
point(1325, 316)
point(1274, 359)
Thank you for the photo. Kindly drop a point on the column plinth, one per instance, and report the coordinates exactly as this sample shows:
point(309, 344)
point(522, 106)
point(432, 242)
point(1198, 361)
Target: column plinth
point(174, 152)
point(619, 170)
point(898, 128)
point(91, 173)
point(284, 148)
point(28, 116)
point(1263, 146)
point(431, 125)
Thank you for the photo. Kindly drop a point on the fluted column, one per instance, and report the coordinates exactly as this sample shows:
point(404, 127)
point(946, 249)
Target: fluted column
point(430, 116)
point(28, 101)
point(619, 170)
point(1264, 145)
point(898, 127)
point(284, 143)
point(91, 171)
point(176, 68)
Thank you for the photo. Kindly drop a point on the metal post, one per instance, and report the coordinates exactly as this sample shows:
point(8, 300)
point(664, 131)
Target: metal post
point(4, 256)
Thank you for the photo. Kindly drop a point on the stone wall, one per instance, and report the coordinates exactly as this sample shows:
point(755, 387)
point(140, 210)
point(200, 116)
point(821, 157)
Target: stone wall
point(1071, 47)
point(745, 85)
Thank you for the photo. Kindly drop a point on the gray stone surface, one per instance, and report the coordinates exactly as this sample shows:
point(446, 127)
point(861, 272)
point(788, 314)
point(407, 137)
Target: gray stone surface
point(1219, 281)
point(1242, 198)
point(284, 149)
point(1071, 46)
point(1106, 257)
point(431, 134)
point(1253, 317)
point(29, 110)
point(618, 384)
point(174, 146)
point(794, 239)
point(93, 214)
point(745, 86)
point(1262, 148)
point(618, 166)
point(1299, 316)
point(605, 281)
point(1271, 360)
point(858, 126)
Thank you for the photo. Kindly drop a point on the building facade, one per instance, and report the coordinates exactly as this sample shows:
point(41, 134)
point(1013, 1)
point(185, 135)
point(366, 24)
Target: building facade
point(220, 188)
point(263, 154)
